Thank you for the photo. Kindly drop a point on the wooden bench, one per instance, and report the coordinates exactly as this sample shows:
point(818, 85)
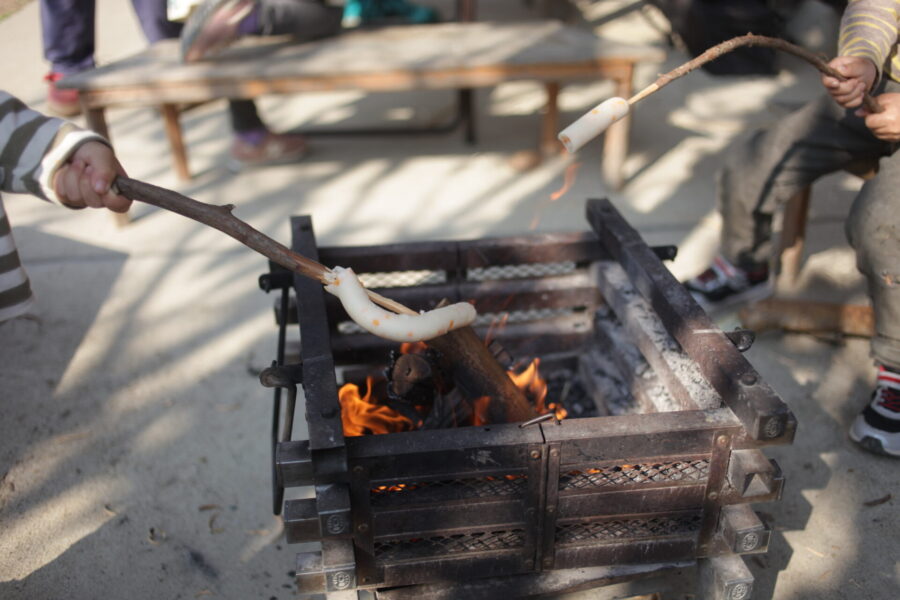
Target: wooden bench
point(456, 55)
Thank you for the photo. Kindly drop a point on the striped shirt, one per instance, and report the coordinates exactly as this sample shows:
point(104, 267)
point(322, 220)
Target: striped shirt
point(32, 148)
point(869, 30)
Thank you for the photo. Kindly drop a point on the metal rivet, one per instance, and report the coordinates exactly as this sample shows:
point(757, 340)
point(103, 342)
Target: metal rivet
point(551, 510)
point(750, 542)
point(722, 440)
point(773, 428)
point(713, 495)
point(548, 562)
point(362, 527)
point(554, 452)
point(749, 379)
point(535, 454)
point(739, 592)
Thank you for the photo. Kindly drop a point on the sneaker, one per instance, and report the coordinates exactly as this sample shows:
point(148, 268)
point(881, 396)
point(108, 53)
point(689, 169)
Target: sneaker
point(273, 149)
point(877, 427)
point(62, 103)
point(213, 26)
point(724, 284)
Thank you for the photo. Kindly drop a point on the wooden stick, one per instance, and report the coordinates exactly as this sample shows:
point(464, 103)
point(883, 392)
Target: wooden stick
point(807, 316)
point(220, 217)
point(749, 40)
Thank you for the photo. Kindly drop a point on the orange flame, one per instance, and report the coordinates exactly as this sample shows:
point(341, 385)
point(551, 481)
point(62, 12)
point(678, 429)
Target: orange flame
point(496, 326)
point(361, 416)
point(480, 411)
point(534, 386)
point(568, 180)
point(413, 347)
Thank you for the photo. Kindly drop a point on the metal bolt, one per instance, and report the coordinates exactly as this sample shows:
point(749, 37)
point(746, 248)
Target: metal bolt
point(773, 428)
point(554, 452)
point(722, 440)
point(750, 542)
point(362, 527)
point(713, 495)
point(749, 378)
point(535, 454)
point(739, 592)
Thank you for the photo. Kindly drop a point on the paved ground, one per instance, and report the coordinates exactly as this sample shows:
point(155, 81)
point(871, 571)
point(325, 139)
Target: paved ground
point(133, 443)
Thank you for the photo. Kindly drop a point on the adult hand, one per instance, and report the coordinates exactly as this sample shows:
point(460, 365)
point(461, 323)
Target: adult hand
point(86, 178)
point(884, 125)
point(860, 74)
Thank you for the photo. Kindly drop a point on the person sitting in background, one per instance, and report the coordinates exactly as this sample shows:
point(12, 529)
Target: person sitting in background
point(68, 36)
point(54, 160)
point(820, 138)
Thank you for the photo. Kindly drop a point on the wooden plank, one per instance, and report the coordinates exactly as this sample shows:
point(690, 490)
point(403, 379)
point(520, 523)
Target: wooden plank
point(484, 51)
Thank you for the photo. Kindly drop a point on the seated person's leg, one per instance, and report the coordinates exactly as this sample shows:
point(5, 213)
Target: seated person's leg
point(873, 229)
point(254, 144)
point(764, 172)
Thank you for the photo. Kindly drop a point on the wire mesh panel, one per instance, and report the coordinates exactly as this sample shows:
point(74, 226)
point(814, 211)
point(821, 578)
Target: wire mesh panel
point(619, 475)
point(455, 489)
point(627, 529)
point(522, 271)
point(484, 541)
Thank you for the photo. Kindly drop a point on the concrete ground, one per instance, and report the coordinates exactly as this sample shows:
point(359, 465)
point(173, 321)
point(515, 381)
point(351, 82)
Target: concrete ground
point(134, 433)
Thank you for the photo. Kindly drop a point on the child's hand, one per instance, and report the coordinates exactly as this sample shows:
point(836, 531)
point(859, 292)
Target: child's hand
point(886, 124)
point(86, 178)
point(860, 74)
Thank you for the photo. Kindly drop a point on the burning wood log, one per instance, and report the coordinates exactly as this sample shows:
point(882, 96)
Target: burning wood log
point(598, 119)
point(476, 371)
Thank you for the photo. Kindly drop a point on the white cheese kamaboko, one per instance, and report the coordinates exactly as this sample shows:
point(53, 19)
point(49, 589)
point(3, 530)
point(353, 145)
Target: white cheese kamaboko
point(344, 284)
point(593, 123)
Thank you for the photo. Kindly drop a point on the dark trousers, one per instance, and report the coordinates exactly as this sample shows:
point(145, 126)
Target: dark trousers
point(779, 161)
point(68, 35)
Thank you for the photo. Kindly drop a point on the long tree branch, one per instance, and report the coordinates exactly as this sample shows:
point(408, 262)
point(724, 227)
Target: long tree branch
point(220, 217)
point(749, 40)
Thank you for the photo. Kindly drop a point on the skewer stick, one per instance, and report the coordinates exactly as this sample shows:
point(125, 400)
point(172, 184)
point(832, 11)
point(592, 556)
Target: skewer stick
point(748, 40)
point(220, 217)
point(598, 119)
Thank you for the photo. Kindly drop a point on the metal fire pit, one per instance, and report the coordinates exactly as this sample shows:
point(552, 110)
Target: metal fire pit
point(651, 496)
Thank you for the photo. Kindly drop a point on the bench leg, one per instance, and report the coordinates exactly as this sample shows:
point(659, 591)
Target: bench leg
point(793, 236)
point(615, 143)
point(96, 122)
point(466, 107)
point(170, 116)
point(550, 145)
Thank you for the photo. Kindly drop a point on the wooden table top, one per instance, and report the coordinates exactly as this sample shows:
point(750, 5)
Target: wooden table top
point(441, 55)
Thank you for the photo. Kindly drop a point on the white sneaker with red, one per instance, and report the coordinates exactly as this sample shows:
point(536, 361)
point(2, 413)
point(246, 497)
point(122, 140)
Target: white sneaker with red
point(877, 428)
point(724, 284)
